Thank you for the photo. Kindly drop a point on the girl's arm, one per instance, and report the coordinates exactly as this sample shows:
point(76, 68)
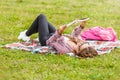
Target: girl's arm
point(77, 31)
point(74, 39)
point(61, 29)
point(56, 35)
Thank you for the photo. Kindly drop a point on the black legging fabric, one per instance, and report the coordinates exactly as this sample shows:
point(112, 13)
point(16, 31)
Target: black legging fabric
point(41, 26)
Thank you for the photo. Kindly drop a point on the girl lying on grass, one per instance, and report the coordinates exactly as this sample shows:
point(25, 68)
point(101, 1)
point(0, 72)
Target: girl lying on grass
point(49, 36)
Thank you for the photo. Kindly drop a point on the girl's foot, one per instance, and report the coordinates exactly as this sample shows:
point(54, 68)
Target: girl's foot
point(23, 36)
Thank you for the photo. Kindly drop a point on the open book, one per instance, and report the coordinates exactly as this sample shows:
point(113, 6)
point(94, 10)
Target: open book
point(77, 21)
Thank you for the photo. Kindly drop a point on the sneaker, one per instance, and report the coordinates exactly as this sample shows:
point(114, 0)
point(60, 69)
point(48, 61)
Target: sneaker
point(23, 36)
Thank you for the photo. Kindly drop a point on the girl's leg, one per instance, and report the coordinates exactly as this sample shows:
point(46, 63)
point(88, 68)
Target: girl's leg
point(43, 27)
point(51, 28)
point(37, 23)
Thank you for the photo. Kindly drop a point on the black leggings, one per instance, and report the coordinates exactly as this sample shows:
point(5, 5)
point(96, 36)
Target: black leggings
point(43, 27)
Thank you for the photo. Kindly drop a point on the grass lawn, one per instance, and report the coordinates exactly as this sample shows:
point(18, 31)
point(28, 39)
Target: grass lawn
point(17, 15)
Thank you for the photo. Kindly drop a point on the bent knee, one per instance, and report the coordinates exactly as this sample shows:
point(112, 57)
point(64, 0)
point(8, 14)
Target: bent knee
point(42, 16)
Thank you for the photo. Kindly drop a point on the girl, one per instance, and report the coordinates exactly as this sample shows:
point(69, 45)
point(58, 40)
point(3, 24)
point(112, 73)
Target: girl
point(49, 36)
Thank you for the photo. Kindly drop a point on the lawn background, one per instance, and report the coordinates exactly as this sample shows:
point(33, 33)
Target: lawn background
point(17, 15)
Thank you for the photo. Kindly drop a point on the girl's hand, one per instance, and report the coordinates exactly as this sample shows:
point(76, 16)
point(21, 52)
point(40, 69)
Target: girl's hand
point(82, 25)
point(61, 29)
point(83, 22)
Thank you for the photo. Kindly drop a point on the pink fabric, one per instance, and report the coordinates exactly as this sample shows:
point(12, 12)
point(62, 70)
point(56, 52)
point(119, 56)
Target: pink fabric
point(99, 33)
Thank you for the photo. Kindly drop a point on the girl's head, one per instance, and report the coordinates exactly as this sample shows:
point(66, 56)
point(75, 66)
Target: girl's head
point(85, 50)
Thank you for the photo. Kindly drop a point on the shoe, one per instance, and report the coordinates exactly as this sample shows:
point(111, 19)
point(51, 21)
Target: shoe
point(23, 36)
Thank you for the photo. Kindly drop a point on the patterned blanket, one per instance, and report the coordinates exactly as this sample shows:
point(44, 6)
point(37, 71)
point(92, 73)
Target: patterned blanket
point(34, 46)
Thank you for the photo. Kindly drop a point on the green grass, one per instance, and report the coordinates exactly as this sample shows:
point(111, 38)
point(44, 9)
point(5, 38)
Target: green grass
point(17, 15)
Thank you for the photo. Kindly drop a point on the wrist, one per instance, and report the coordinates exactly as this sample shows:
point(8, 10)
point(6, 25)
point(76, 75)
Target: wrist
point(82, 27)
